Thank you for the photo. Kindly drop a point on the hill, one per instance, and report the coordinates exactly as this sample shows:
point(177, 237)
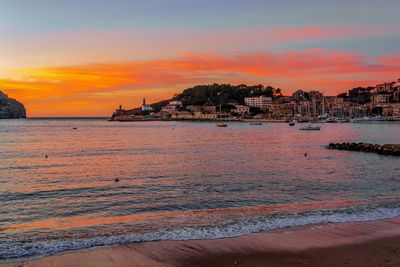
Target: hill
point(11, 108)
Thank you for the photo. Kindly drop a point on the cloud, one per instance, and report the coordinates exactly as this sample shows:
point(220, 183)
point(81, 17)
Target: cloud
point(84, 45)
point(95, 89)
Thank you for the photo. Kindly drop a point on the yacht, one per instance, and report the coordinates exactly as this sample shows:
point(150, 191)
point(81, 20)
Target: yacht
point(220, 123)
point(331, 120)
point(311, 127)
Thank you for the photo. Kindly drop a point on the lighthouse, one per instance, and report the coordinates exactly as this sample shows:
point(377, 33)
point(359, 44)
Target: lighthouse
point(146, 107)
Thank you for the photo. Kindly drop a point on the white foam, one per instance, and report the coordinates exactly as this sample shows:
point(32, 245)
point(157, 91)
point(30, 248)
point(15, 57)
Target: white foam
point(246, 226)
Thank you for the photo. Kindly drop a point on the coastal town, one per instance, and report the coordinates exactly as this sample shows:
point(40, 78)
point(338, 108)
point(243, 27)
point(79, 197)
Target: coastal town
point(265, 103)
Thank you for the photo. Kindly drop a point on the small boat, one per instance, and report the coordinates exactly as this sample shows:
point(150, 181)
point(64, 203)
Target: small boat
point(331, 120)
point(255, 123)
point(291, 123)
point(310, 128)
point(221, 124)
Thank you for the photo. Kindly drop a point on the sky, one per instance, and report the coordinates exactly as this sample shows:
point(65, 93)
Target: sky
point(85, 58)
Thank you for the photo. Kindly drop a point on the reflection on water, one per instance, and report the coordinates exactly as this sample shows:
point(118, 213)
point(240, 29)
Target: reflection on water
point(180, 180)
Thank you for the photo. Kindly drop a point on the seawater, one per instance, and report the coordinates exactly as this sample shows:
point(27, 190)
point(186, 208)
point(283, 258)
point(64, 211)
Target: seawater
point(182, 180)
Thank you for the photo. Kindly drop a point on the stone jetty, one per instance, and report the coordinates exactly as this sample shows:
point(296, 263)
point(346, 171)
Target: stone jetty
point(386, 149)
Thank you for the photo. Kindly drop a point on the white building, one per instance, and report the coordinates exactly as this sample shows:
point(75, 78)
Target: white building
point(146, 107)
point(172, 106)
point(261, 102)
point(241, 109)
point(175, 103)
point(168, 108)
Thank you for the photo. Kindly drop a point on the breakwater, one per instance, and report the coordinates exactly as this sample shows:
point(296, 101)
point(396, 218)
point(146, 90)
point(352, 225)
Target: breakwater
point(386, 149)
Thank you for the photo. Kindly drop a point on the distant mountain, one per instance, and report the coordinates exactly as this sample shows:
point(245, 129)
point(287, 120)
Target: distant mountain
point(11, 108)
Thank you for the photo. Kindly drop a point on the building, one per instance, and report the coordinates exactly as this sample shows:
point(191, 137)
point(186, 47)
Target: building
point(168, 109)
point(241, 109)
point(298, 95)
point(183, 115)
point(396, 96)
point(146, 107)
point(391, 110)
point(261, 102)
point(384, 87)
point(209, 116)
point(209, 109)
point(175, 103)
point(381, 98)
point(172, 106)
point(282, 110)
point(194, 108)
point(315, 95)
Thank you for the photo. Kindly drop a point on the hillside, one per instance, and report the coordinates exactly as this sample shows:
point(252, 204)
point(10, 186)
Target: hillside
point(215, 93)
point(11, 108)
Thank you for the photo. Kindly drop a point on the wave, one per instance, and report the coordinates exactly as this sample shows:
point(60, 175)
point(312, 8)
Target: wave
point(11, 249)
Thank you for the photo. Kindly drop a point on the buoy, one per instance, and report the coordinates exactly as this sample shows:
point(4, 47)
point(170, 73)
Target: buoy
point(45, 156)
point(116, 180)
point(305, 154)
point(74, 128)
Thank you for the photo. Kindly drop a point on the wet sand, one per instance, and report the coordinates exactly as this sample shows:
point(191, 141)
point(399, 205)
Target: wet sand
point(374, 243)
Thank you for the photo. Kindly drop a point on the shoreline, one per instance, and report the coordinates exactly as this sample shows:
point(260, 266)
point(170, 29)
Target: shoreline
point(370, 243)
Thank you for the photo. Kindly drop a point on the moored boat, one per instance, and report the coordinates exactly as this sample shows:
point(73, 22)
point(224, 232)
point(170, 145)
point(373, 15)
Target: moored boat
point(222, 124)
point(311, 127)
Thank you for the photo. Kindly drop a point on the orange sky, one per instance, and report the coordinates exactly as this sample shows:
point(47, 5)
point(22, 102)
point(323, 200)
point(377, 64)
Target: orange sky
point(62, 58)
point(97, 89)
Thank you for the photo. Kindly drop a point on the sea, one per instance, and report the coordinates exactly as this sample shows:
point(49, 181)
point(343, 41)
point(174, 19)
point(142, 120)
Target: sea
point(72, 184)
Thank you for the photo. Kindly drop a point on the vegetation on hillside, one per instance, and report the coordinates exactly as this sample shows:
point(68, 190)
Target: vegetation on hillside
point(215, 94)
point(359, 95)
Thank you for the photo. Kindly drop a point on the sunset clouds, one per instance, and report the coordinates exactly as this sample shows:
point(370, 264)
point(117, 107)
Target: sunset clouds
point(93, 45)
point(98, 88)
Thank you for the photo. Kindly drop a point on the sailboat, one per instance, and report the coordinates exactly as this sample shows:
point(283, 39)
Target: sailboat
point(312, 127)
point(220, 123)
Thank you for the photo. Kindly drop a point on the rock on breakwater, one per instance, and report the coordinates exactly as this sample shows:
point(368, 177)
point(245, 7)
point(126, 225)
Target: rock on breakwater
point(386, 149)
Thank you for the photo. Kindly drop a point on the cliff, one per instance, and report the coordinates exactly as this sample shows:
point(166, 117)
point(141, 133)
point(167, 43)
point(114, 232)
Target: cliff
point(11, 108)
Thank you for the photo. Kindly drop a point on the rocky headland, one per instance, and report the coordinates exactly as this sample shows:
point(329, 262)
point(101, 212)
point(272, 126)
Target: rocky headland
point(11, 108)
point(386, 149)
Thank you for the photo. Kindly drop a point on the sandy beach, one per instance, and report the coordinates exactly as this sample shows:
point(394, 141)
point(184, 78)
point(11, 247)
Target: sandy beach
point(373, 243)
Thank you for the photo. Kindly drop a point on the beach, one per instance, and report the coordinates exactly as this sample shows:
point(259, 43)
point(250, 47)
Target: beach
point(372, 243)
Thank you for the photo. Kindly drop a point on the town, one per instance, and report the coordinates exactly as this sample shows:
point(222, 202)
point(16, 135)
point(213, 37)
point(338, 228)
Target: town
point(265, 103)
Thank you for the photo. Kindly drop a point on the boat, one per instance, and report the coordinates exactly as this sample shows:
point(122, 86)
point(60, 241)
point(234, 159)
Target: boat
point(220, 123)
point(255, 123)
point(291, 123)
point(311, 127)
point(331, 120)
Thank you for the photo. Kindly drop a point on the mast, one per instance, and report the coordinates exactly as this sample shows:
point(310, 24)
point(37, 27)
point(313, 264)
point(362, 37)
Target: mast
point(315, 108)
